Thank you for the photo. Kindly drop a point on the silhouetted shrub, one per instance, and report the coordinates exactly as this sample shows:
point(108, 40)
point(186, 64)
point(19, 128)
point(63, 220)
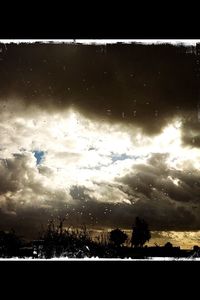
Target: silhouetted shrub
point(118, 237)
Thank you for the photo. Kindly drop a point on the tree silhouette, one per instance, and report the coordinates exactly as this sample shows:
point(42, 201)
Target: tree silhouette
point(140, 234)
point(118, 237)
point(168, 245)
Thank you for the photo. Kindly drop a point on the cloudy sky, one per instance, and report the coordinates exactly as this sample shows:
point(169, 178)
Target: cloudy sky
point(99, 134)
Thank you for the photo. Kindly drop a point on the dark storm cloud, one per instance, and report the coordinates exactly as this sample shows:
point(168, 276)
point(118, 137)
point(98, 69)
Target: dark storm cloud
point(146, 179)
point(141, 84)
point(160, 212)
point(167, 207)
point(166, 204)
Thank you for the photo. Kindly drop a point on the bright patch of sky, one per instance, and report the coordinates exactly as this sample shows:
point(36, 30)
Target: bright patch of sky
point(73, 150)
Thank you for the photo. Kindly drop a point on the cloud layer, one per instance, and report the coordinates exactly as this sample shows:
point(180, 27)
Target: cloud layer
point(116, 129)
point(138, 84)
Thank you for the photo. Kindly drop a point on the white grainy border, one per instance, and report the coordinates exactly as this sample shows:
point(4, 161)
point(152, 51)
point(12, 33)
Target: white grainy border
point(186, 42)
point(101, 259)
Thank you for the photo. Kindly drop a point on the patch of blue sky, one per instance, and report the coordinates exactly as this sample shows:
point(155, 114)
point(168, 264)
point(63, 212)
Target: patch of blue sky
point(39, 155)
point(123, 156)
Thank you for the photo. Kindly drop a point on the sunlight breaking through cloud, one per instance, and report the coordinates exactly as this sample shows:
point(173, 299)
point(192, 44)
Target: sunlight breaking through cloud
point(111, 163)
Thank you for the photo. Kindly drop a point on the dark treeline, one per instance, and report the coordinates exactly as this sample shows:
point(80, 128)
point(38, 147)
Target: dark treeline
point(56, 241)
